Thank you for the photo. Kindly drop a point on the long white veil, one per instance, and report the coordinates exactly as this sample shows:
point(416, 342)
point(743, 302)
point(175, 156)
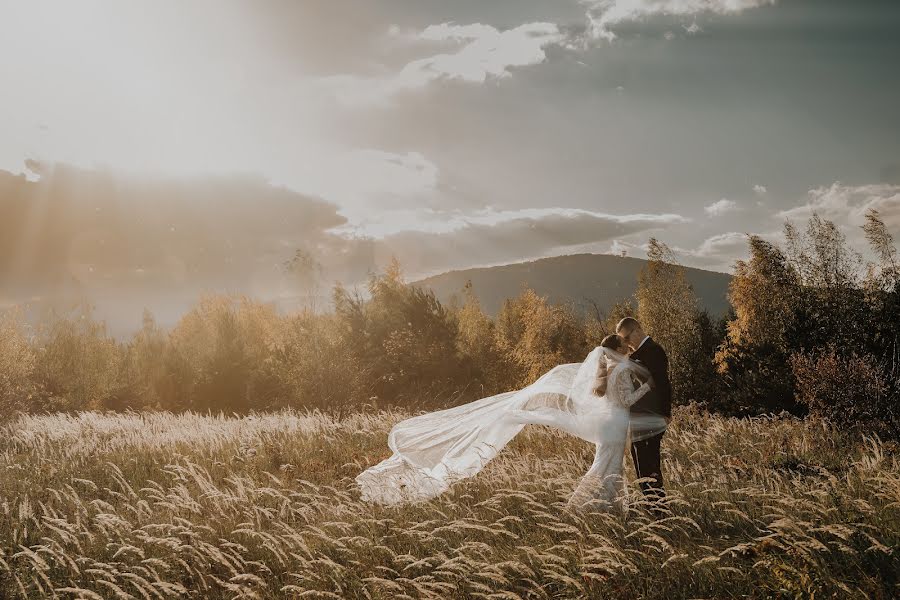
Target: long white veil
point(432, 450)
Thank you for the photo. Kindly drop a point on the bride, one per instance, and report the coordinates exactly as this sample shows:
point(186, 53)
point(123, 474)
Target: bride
point(589, 400)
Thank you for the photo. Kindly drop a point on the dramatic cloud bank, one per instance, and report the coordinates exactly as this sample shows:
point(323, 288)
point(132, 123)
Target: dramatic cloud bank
point(486, 53)
point(604, 15)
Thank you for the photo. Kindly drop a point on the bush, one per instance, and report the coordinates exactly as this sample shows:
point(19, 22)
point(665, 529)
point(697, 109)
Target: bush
point(753, 361)
point(489, 367)
point(537, 336)
point(145, 372)
point(218, 356)
point(17, 362)
point(404, 342)
point(77, 364)
point(849, 391)
point(313, 368)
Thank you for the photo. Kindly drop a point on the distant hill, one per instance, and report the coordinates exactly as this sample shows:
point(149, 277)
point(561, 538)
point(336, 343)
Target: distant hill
point(579, 278)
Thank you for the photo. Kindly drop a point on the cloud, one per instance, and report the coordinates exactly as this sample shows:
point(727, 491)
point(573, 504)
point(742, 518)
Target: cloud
point(721, 207)
point(484, 53)
point(487, 53)
point(718, 252)
point(723, 243)
point(604, 15)
point(847, 205)
point(760, 190)
point(127, 241)
point(844, 205)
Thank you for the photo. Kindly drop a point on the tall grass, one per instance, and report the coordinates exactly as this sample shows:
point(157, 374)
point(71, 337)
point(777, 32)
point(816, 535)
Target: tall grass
point(158, 505)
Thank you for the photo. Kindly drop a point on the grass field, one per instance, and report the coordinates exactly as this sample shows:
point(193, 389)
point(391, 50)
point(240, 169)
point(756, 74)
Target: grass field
point(190, 506)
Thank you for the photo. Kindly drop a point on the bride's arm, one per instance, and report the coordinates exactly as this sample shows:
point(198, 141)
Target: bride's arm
point(625, 393)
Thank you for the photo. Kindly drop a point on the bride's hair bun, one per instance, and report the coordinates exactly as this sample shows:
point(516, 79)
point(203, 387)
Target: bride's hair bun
point(613, 342)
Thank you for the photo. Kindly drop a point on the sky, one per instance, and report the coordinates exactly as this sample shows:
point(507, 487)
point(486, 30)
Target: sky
point(170, 144)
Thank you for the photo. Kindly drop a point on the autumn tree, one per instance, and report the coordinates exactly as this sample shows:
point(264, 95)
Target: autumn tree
point(17, 364)
point(489, 366)
point(538, 335)
point(305, 272)
point(78, 364)
point(829, 302)
point(668, 310)
point(217, 355)
point(405, 338)
point(754, 360)
point(145, 371)
point(882, 286)
point(600, 323)
point(852, 378)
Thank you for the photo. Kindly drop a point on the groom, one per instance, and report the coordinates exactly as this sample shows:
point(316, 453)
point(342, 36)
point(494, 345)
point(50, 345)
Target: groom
point(658, 400)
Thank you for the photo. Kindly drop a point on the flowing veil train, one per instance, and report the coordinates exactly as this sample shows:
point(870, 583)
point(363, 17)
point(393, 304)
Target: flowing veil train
point(433, 450)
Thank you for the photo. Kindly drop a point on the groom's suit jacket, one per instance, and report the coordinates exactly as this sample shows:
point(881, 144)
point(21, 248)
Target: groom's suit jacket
point(659, 399)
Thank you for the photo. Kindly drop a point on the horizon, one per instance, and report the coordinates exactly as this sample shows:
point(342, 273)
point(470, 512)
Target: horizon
point(122, 325)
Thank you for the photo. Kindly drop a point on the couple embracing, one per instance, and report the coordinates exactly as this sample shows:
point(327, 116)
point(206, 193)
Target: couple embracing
point(620, 391)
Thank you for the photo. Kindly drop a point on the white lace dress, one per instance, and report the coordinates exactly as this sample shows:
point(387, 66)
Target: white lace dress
point(604, 480)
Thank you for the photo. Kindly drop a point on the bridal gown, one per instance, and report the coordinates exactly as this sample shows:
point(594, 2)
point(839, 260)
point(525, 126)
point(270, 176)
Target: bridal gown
point(433, 450)
point(604, 480)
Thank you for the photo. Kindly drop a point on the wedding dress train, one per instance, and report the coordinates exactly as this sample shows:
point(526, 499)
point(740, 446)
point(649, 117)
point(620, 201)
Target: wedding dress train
point(433, 450)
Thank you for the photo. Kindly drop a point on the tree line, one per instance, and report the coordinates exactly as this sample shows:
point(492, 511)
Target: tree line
point(812, 327)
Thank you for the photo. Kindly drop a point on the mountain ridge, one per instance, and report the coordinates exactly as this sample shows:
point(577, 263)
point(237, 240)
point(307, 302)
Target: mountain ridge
point(584, 279)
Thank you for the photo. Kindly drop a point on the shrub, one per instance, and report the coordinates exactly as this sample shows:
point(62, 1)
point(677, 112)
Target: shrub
point(77, 364)
point(145, 372)
point(404, 339)
point(17, 362)
point(537, 336)
point(312, 367)
point(753, 361)
point(218, 355)
point(848, 390)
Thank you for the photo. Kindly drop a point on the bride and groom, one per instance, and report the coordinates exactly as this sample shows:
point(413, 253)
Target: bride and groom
point(620, 390)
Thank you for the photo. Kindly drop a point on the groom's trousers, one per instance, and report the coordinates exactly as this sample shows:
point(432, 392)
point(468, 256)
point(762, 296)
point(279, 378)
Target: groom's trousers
point(648, 463)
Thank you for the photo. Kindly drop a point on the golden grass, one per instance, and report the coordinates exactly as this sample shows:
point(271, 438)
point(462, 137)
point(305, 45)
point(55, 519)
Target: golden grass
point(191, 506)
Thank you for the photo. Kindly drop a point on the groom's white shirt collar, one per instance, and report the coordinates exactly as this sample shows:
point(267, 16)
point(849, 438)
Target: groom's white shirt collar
point(646, 337)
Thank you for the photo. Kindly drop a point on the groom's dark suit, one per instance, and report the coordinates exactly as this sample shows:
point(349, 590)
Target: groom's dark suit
point(645, 453)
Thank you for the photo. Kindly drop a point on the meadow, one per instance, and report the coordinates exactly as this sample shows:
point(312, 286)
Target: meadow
point(161, 505)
